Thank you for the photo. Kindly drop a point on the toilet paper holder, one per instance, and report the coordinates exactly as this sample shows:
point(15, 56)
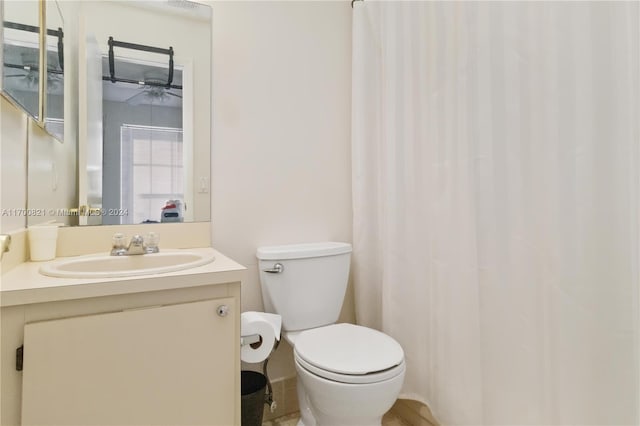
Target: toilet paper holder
point(268, 399)
point(255, 338)
point(249, 340)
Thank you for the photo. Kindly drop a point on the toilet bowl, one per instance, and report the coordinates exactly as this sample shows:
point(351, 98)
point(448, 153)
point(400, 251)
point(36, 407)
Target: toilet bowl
point(347, 374)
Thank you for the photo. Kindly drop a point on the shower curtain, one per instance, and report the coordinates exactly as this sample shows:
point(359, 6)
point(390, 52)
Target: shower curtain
point(496, 204)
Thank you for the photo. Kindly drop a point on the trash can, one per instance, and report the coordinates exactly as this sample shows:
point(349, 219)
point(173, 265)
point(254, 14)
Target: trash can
point(252, 386)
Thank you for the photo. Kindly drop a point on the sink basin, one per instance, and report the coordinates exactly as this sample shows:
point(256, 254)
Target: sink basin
point(107, 266)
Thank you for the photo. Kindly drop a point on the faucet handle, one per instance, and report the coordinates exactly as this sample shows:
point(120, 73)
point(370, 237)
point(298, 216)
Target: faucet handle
point(151, 242)
point(119, 240)
point(118, 244)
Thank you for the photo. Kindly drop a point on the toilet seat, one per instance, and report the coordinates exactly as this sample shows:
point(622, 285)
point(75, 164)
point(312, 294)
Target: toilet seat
point(355, 379)
point(349, 353)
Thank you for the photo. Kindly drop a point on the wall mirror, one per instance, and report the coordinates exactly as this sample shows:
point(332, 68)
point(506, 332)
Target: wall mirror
point(33, 63)
point(143, 109)
point(21, 55)
point(144, 129)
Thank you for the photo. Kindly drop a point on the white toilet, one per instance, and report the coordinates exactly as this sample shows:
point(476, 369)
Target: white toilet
point(347, 374)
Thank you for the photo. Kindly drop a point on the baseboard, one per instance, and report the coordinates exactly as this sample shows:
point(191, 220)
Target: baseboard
point(414, 413)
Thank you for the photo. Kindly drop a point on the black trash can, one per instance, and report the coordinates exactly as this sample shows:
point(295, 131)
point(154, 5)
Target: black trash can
point(252, 385)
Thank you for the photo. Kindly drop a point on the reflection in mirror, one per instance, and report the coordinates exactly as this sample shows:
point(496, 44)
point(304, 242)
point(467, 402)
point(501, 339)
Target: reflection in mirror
point(145, 75)
point(143, 143)
point(21, 54)
point(54, 108)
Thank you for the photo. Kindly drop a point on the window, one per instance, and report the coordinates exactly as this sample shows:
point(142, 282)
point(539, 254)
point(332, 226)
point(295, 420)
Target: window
point(151, 171)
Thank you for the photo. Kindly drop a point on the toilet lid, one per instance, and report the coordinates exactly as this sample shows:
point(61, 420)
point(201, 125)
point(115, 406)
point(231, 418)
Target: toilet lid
point(348, 349)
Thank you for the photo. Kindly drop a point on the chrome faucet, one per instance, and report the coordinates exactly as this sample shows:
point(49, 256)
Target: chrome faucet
point(137, 245)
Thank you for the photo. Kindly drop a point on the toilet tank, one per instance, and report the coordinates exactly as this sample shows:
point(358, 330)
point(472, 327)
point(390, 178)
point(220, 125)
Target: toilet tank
point(309, 290)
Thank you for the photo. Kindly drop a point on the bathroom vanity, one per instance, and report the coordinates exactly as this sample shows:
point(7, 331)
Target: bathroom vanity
point(153, 349)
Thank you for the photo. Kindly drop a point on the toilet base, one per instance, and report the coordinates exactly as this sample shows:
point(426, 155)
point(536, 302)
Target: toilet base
point(328, 403)
point(374, 422)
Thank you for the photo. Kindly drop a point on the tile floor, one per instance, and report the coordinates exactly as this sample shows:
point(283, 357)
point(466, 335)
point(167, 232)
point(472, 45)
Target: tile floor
point(389, 419)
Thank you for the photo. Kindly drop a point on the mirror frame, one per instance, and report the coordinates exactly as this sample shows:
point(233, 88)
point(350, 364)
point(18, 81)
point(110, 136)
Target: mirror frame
point(42, 97)
point(44, 55)
point(42, 68)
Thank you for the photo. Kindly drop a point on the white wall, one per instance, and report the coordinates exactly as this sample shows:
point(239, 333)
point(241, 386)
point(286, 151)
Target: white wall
point(13, 156)
point(281, 156)
point(51, 176)
point(51, 164)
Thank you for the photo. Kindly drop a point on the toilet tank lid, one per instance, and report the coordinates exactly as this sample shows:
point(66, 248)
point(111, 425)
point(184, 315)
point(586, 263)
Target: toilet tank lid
point(301, 251)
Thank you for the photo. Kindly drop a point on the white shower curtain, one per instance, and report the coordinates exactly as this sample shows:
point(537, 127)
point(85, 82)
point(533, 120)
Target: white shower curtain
point(496, 204)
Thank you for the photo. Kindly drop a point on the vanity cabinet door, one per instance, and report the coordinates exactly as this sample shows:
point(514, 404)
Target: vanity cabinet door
point(170, 365)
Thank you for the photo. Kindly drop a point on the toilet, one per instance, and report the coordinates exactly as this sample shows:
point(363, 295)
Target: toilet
point(347, 374)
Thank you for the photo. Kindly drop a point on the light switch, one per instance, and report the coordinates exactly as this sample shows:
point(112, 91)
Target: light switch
point(203, 188)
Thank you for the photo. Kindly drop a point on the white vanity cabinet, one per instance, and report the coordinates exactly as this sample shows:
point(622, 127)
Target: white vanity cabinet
point(157, 365)
point(165, 356)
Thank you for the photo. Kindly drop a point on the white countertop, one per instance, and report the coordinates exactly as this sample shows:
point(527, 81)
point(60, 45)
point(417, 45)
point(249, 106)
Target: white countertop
point(24, 284)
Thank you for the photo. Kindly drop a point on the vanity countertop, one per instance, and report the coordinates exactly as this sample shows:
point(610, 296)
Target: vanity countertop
point(24, 284)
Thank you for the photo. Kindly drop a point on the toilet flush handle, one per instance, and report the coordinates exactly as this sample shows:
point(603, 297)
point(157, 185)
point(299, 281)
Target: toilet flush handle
point(277, 268)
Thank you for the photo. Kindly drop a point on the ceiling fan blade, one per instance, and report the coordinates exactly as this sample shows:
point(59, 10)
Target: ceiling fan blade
point(137, 99)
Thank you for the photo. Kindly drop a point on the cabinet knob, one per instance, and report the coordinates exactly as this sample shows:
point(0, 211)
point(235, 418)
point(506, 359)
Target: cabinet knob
point(222, 310)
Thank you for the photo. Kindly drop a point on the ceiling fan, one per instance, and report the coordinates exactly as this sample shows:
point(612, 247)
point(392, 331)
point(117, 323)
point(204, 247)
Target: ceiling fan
point(29, 71)
point(28, 68)
point(30, 78)
point(155, 93)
